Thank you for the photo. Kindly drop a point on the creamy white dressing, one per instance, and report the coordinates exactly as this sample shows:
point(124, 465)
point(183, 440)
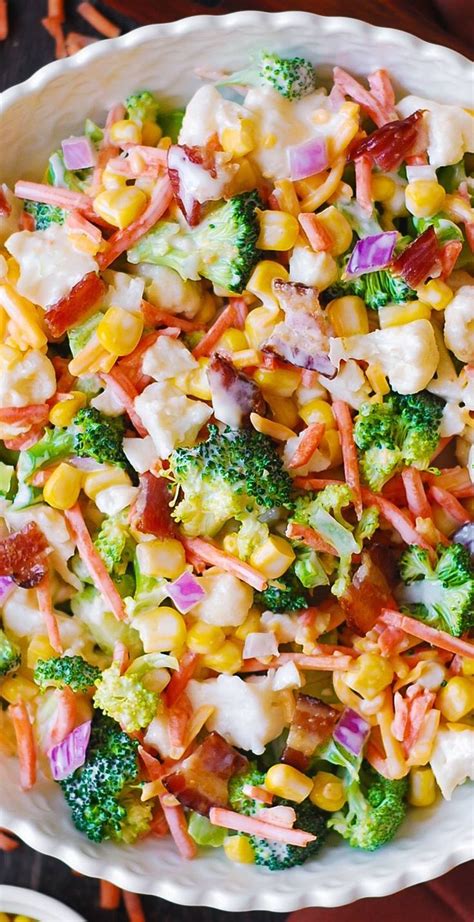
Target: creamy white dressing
point(49, 264)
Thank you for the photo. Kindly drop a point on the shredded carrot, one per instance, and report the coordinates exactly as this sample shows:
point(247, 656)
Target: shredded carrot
point(218, 558)
point(45, 604)
point(121, 656)
point(397, 518)
point(318, 235)
point(7, 844)
point(178, 719)
point(448, 257)
point(155, 316)
point(381, 87)
point(255, 827)
point(314, 483)
point(25, 416)
point(53, 195)
point(54, 27)
point(76, 41)
point(454, 479)
point(110, 895)
point(310, 537)
point(25, 744)
point(363, 177)
point(179, 829)
point(3, 20)
point(65, 717)
point(22, 442)
point(225, 320)
point(77, 223)
point(125, 392)
point(97, 20)
point(449, 504)
point(343, 419)
point(418, 708)
point(133, 906)
point(122, 240)
point(309, 441)
point(302, 660)
point(349, 86)
point(93, 561)
point(415, 493)
point(179, 680)
point(56, 10)
point(429, 634)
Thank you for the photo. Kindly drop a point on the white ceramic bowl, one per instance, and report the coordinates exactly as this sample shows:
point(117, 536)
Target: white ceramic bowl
point(38, 906)
point(36, 115)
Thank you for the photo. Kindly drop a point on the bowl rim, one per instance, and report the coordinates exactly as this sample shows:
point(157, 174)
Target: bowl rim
point(24, 900)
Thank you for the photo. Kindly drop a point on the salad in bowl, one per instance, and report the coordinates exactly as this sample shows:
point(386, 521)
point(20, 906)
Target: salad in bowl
point(237, 465)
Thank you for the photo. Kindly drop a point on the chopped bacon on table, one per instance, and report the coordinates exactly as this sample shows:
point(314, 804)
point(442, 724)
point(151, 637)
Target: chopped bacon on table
point(302, 338)
point(312, 723)
point(200, 781)
point(234, 395)
point(418, 260)
point(74, 307)
point(388, 147)
point(366, 597)
point(150, 513)
point(23, 556)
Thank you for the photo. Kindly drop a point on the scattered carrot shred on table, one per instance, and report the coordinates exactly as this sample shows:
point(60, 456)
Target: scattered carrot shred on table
point(7, 844)
point(3, 20)
point(110, 895)
point(97, 20)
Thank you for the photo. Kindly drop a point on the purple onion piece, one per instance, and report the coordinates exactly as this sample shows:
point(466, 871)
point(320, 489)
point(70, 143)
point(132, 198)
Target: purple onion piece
point(185, 592)
point(308, 158)
point(78, 153)
point(71, 753)
point(6, 586)
point(465, 536)
point(371, 253)
point(352, 731)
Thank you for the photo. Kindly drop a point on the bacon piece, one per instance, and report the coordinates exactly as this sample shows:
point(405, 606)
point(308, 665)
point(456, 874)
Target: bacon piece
point(150, 513)
point(200, 781)
point(418, 260)
point(367, 596)
point(23, 556)
point(73, 308)
point(34, 413)
point(5, 207)
point(312, 723)
point(302, 338)
point(390, 145)
point(234, 395)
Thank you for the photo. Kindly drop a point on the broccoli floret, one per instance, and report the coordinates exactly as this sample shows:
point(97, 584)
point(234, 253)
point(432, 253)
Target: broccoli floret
point(170, 123)
point(284, 594)
point(125, 699)
point(221, 248)
point(376, 288)
point(73, 671)
point(142, 106)
point(99, 437)
point(10, 655)
point(323, 512)
point(374, 811)
point(103, 804)
point(441, 595)
point(115, 544)
point(367, 524)
point(232, 473)
point(309, 569)
point(44, 215)
point(290, 77)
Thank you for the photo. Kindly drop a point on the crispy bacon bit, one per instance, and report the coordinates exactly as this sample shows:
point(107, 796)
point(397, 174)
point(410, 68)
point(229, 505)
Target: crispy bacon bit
point(23, 556)
point(5, 207)
point(302, 338)
point(150, 512)
point(74, 307)
point(200, 781)
point(234, 395)
point(312, 722)
point(418, 260)
point(366, 597)
point(390, 145)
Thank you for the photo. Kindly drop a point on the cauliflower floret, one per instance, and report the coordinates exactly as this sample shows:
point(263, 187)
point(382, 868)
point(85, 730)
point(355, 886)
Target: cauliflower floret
point(452, 759)
point(350, 384)
point(49, 264)
point(450, 129)
point(22, 617)
point(167, 290)
point(287, 676)
point(227, 601)
point(108, 403)
point(124, 290)
point(207, 114)
point(167, 358)
point(171, 418)
point(459, 324)
point(314, 269)
point(247, 714)
point(9, 223)
point(407, 354)
point(140, 453)
point(114, 499)
point(25, 377)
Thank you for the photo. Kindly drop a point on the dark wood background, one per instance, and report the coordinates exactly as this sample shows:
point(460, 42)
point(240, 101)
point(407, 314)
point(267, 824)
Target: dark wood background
point(29, 47)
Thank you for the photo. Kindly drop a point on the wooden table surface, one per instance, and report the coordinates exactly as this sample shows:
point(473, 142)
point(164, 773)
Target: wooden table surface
point(27, 48)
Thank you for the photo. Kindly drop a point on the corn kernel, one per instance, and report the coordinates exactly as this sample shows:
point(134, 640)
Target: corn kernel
point(327, 792)
point(120, 206)
point(17, 688)
point(125, 131)
point(233, 340)
point(330, 447)
point(377, 379)
point(282, 382)
point(195, 382)
point(161, 558)
point(338, 227)
point(467, 667)
point(251, 625)
point(268, 427)
point(230, 543)
point(64, 411)
point(260, 284)
point(283, 409)
point(436, 293)
point(227, 659)
point(348, 316)
point(287, 197)
point(286, 781)
point(246, 177)
point(397, 315)
point(259, 325)
point(13, 271)
point(120, 330)
point(62, 488)
point(239, 849)
point(382, 188)
point(204, 638)
point(421, 787)
point(39, 648)
point(96, 481)
point(151, 133)
point(238, 140)
point(161, 629)
point(278, 230)
point(269, 140)
point(318, 411)
point(245, 358)
point(273, 557)
point(111, 180)
point(369, 675)
point(424, 197)
point(456, 699)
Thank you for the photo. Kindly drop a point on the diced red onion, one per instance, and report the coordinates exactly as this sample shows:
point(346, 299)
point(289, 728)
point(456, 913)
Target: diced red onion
point(352, 731)
point(260, 644)
point(86, 464)
point(371, 253)
point(308, 158)
point(6, 586)
point(185, 592)
point(71, 753)
point(78, 153)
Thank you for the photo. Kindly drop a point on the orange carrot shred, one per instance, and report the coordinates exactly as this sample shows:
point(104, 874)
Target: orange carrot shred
point(45, 604)
point(25, 744)
point(179, 829)
point(429, 634)
point(310, 537)
point(53, 25)
point(125, 391)
point(218, 558)
point(179, 680)
point(3, 20)
point(56, 10)
point(343, 418)
point(211, 338)
point(110, 895)
point(97, 20)
point(250, 824)
point(93, 561)
point(66, 715)
point(133, 906)
point(415, 493)
point(309, 441)
point(318, 235)
point(450, 504)
point(7, 844)
point(363, 175)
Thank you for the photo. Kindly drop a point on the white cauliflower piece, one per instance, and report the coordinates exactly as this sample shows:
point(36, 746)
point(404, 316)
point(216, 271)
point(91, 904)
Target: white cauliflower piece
point(170, 418)
point(281, 624)
point(140, 453)
point(248, 714)
point(207, 114)
point(157, 736)
point(350, 384)
point(165, 289)
point(450, 129)
point(314, 269)
point(227, 601)
point(22, 617)
point(25, 377)
point(49, 264)
point(9, 223)
point(114, 499)
point(167, 358)
point(452, 759)
point(287, 676)
point(459, 324)
point(107, 402)
point(408, 355)
point(470, 463)
point(124, 290)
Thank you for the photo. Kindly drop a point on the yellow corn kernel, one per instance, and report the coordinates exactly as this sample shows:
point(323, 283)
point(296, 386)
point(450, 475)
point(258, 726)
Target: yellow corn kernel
point(278, 230)
point(227, 658)
point(204, 638)
point(246, 177)
point(327, 792)
point(161, 558)
point(286, 781)
point(91, 359)
point(338, 227)
point(83, 243)
point(268, 427)
point(456, 699)
point(233, 340)
point(161, 629)
point(287, 197)
point(282, 382)
point(96, 481)
point(283, 409)
point(120, 206)
point(424, 197)
point(239, 849)
point(369, 675)
point(111, 180)
point(17, 688)
point(245, 358)
point(120, 331)
point(259, 325)
point(377, 379)
point(230, 543)
point(62, 488)
point(195, 382)
point(421, 787)
point(238, 140)
point(397, 315)
point(467, 667)
point(251, 625)
point(269, 140)
point(151, 133)
point(64, 411)
point(13, 271)
point(382, 188)
point(318, 411)
point(260, 284)
point(125, 131)
point(39, 648)
point(348, 316)
point(330, 446)
point(436, 293)
point(24, 314)
point(273, 557)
